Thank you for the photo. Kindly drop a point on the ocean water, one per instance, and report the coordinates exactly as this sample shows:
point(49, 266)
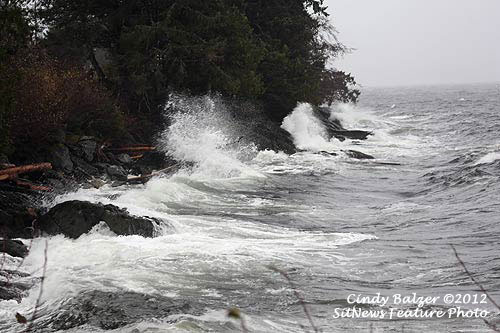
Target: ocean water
point(337, 226)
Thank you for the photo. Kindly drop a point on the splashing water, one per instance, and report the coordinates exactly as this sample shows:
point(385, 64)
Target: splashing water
point(307, 131)
point(334, 224)
point(200, 132)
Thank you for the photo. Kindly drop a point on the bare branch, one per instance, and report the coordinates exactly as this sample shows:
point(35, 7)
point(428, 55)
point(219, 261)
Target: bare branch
point(297, 295)
point(480, 286)
point(37, 304)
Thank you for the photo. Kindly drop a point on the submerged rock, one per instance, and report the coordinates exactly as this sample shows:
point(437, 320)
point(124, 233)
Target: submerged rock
point(111, 310)
point(358, 155)
point(75, 218)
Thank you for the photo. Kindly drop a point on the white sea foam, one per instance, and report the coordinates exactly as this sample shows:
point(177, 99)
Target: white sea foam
point(200, 132)
point(488, 158)
point(390, 139)
point(214, 209)
point(307, 131)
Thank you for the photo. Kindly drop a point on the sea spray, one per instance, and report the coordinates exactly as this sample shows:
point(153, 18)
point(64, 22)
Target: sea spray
point(307, 131)
point(201, 132)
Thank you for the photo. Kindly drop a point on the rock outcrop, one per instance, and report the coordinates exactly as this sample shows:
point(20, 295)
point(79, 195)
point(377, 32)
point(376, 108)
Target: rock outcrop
point(16, 211)
point(75, 218)
point(112, 310)
point(13, 247)
point(335, 129)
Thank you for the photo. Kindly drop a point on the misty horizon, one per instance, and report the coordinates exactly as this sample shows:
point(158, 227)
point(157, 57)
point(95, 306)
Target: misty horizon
point(415, 43)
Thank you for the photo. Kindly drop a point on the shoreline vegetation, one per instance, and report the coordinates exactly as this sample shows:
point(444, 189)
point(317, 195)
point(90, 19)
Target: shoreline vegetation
point(84, 86)
point(84, 89)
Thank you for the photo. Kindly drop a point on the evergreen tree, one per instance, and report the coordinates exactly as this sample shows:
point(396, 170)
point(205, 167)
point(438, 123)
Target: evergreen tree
point(274, 51)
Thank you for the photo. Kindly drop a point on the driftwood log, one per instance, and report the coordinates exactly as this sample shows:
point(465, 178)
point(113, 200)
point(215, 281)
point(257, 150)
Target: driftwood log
point(12, 173)
point(141, 148)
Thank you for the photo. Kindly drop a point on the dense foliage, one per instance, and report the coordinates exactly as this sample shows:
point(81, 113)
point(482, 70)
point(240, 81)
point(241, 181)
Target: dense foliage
point(135, 52)
point(272, 50)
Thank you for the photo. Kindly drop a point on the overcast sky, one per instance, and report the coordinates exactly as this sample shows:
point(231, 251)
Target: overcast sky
point(408, 42)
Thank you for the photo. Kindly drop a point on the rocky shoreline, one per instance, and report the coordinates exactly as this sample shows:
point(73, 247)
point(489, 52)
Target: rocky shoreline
point(85, 162)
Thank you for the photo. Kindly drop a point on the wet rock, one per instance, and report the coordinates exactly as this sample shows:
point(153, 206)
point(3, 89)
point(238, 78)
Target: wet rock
point(118, 183)
point(353, 135)
point(74, 218)
point(102, 167)
point(255, 127)
point(112, 310)
point(97, 183)
point(60, 158)
point(124, 158)
point(358, 155)
point(88, 148)
point(13, 247)
point(83, 167)
point(153, 160)
point(327, 153)
point(16, 212)
point(324, 115)
point(117, 172)
point(12, 291)
point(334, 127)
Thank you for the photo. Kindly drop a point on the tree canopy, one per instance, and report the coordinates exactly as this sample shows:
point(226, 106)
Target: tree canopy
point(272, 51)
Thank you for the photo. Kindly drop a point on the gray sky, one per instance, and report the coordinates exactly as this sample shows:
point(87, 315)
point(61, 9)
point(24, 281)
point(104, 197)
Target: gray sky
point(407, 42)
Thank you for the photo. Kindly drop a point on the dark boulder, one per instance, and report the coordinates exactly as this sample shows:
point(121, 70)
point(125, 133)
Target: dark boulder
point(358, 155)
point(88, 148)
point(328, 153)
point(324, 115)
point(353, 135)
point(14, 248)
point(16, 211)
point(117, 172)
point(13, 290)
point(334, 127)
point(253, 126)
point(60, 158)
point(112, 310)
point(10, 289)
point(81, 166)
point(74, 218)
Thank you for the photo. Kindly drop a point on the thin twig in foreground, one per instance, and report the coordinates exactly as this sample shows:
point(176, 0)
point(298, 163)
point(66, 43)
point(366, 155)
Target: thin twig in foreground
point(480, 286)
point(483, 290)
point(297, 295)
point(37, 304)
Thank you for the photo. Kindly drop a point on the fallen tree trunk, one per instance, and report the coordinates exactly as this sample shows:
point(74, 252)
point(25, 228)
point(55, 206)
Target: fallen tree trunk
point(136, 157)
point(144, 148)
point(13, 172)
point(33, 187)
